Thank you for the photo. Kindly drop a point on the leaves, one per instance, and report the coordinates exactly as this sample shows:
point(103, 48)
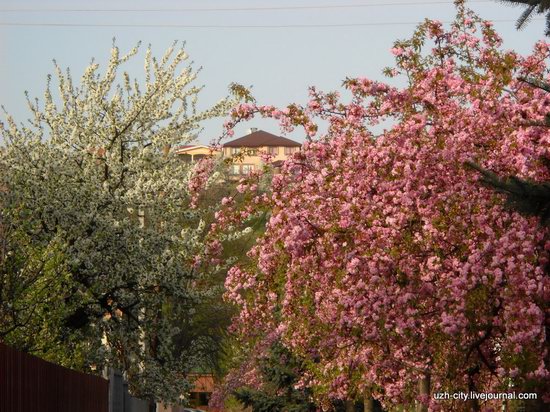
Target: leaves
point(100, 272)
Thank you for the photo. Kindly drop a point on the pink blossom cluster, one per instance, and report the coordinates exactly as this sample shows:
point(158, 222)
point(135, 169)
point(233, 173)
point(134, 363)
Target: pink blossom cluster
point(201, 173)
point(384, 260)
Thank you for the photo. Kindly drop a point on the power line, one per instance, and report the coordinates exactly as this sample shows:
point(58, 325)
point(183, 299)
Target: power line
point(225, 9)
point(222, 26)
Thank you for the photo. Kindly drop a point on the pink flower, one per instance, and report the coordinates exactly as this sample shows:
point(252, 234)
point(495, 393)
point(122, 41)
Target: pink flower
point(397, 51)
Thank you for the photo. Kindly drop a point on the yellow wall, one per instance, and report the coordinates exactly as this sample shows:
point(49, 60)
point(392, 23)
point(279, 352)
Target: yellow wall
point(256, 159)
point(195, 153)
point(190, 154)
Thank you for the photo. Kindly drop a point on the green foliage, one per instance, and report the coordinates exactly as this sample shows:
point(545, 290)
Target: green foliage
point(280, 371)
point(33, 285)
point(524, 196)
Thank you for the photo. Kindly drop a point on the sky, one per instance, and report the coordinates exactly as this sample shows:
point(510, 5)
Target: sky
point(278, 48)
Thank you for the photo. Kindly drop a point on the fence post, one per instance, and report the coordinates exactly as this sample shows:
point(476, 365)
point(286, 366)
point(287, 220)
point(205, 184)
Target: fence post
point(116, 391)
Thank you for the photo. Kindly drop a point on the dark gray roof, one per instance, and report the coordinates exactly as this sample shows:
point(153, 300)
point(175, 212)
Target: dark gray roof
point(261, 138)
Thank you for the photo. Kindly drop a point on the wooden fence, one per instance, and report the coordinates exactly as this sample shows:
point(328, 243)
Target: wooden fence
point(28, 383)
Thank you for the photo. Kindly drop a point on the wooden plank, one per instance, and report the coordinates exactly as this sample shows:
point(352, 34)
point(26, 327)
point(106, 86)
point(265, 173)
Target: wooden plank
point(28, 383)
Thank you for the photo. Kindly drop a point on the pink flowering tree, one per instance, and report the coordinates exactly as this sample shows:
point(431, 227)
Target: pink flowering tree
point(385, 266)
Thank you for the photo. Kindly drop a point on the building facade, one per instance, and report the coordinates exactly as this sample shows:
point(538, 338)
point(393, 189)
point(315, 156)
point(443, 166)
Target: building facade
point(246, 152)
point(192, 153)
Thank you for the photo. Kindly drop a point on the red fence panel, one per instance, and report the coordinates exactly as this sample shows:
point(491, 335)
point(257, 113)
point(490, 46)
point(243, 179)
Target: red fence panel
point(29, 384)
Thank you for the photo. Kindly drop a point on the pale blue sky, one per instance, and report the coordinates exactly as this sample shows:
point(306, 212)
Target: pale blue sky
point(280, 63)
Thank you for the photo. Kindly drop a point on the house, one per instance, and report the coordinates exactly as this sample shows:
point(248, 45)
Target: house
point(203, 386)
point(251, 146)
point(193, 152)
point(245, 152)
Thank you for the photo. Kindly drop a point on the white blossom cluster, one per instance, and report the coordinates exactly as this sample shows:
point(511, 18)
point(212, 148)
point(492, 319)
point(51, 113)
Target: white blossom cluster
point(92, 177)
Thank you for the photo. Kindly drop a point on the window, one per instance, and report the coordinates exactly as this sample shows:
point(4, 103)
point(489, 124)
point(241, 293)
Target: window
point(241, 169)
point(252, 151)
point(290, 150)
point(246, 169)
point(273, 150)
point(204, 398)
point(235, 150)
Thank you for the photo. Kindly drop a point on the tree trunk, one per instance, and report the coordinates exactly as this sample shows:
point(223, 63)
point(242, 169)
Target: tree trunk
point(368, 403)
point(537, 405)
point(350, 405)
point(424, 391)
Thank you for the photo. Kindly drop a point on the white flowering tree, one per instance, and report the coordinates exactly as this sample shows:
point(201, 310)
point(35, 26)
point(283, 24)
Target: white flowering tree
point(95, 268)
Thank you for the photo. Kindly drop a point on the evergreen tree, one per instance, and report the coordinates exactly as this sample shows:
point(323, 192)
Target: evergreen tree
point(525, 196)
point(533, 7)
